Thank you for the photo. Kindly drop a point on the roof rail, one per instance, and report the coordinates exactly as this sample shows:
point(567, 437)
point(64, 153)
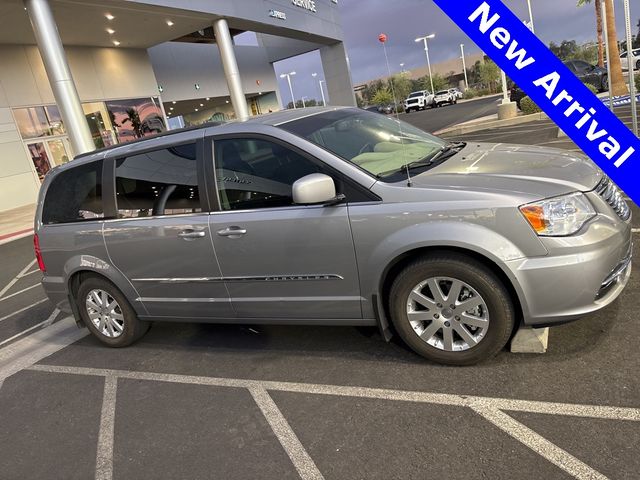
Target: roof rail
point(166, 133)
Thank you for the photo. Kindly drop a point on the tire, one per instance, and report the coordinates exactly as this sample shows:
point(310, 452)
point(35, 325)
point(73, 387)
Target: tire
point(638, 65)
point(126, 329)
point(604, 85)
point(494, 320)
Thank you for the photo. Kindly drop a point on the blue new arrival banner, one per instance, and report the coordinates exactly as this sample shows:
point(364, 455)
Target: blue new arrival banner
point(552, 86)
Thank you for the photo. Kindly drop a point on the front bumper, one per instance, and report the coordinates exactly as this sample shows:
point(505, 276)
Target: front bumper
point(581, 274)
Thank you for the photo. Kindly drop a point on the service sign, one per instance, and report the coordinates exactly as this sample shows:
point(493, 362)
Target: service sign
point(552, 86)
point(306, 4)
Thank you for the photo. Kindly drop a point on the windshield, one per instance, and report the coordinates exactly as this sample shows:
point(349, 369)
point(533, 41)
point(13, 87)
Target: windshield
point(416, 94)
point(374, 142)
point(442, 92)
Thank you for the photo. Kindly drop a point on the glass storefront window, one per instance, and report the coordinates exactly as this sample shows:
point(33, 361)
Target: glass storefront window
point(34, 122)
point(39, 158)
point(100, 124)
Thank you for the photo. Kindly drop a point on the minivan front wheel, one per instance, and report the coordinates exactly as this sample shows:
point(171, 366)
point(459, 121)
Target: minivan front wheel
point(108, 314)
point(451, 309)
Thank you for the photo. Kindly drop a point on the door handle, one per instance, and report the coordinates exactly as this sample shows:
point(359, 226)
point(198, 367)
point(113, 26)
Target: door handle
point(232, 232)
point(191, 234)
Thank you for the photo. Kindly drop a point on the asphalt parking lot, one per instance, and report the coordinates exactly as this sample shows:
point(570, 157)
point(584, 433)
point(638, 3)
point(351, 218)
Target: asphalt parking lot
point(237, 401)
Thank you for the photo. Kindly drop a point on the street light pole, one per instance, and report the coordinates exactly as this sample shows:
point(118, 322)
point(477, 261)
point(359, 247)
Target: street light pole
point(288, 77)
point(426, 51)
point(630, 60)
point(304, 105)
point(324, 103)
point(533, 30)
point(464, 67)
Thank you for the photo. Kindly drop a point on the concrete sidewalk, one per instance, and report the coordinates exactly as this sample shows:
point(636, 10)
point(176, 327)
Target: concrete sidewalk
point(16, 223)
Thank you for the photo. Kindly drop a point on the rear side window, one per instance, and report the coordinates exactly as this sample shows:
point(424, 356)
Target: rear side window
point(75, 195)
point(161, 182)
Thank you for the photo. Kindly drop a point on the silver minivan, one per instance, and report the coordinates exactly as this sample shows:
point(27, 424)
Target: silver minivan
point(332, 216)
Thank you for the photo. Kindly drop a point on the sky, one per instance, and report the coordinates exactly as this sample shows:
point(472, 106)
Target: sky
point(404, 20)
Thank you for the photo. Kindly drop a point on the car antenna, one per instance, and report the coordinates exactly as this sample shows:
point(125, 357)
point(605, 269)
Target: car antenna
point(383, 39)
point(409, 184)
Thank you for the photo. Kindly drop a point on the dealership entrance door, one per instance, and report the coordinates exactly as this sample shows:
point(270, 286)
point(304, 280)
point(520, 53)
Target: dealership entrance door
point(49, 152)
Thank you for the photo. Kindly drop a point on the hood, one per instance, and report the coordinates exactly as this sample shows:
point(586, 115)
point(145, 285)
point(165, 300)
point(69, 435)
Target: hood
point(539, 171)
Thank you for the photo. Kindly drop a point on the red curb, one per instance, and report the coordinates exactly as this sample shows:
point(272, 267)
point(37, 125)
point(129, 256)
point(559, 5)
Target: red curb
point(15, 234)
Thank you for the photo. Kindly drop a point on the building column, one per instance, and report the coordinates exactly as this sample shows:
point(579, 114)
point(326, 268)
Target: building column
point(338, 75)
point(230, 66)
point(60, 79)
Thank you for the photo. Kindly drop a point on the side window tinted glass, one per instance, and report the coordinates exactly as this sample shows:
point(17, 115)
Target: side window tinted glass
point(255, 173)
point(162, 182)
point(75, 195)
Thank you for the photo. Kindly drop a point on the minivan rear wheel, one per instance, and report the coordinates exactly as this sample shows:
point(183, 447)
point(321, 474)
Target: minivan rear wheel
point(107, 313)
point(451, 309)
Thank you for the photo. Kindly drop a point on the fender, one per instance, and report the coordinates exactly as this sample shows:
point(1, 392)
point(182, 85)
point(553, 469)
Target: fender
point(90, 263)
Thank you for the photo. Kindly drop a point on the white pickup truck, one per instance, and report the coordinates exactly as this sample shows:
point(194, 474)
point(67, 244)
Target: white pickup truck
point(418, 100)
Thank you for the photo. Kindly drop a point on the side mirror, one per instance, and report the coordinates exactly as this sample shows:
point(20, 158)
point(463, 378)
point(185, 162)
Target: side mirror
point(313, 189)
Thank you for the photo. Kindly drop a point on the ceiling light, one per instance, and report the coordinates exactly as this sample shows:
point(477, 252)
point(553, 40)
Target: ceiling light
point(170, 108)
point(208, 99)
point(226, 101)
point(116, 43)
point(202, 104)
point(170, 23)
point(109, 16)
point(174, 102)
point(110, 31)
point(196, 109)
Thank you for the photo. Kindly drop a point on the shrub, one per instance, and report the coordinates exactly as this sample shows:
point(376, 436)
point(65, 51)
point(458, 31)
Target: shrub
point(470, 93)
point(592, 88)
point(528, 107)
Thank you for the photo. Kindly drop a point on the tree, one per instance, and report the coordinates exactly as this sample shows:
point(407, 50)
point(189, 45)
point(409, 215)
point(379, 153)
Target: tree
point(489, 74)
point(598, 6)
point(402, 86)
point(616, 82)
point(566, 50)
point(382, 97)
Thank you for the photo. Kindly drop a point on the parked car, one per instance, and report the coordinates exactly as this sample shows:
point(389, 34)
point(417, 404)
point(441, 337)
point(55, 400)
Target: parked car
point(456, 93)
point(445, 96)
point(588, 73)
point(418, 101)
point(332, 216)
point(636, 59)
point(516, 94)
point(384, 109)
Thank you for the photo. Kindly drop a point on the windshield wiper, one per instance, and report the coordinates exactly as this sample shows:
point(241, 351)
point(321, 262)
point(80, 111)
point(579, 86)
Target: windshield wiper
point(441, 154)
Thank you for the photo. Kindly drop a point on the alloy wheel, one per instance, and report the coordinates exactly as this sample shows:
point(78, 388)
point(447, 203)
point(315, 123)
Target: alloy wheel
point(105, 313)
point(448, 314)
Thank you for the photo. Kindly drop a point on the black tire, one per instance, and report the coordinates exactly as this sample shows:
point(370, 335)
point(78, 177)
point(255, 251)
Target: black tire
point(638, 65)
point(473, 273)
point(133, 327)
point(604, 85)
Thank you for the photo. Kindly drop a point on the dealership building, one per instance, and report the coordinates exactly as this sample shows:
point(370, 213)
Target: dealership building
point(76, 75)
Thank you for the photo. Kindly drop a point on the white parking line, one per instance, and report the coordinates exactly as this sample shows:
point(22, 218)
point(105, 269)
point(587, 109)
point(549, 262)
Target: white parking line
point(16, 278)
point(550, 408)
point(46, 323)
point(489, 408)
point(33, 348)
point(104, 453)
point(538, 443)
point(304, 464)
point(19, 292)
point(24, 309)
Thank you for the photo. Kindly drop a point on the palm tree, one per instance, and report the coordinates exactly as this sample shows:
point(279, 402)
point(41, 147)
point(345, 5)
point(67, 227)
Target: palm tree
point(598, 5)
point(616, 82)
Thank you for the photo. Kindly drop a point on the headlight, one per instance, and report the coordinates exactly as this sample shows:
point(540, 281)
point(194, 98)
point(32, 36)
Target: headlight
point(560, 215)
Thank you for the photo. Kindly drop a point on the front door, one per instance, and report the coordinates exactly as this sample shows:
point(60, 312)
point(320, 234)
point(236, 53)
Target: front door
point(161, 240)
point(280, 260)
